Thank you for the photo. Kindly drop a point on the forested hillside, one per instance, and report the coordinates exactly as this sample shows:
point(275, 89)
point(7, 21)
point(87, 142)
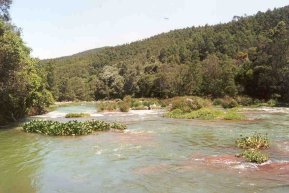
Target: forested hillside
point(247, 56)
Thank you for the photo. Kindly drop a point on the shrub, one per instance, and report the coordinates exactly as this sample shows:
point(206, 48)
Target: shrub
point(272, 103)
point(70, 128)
point(127, 99)
point(107, 106)
point(189, 104)
point(217, 102)
point(244, 100)
point(77, 115)
point(176, 113)
point(123, 106)
point(257, 141)
point(229, 102)
point(254, 156)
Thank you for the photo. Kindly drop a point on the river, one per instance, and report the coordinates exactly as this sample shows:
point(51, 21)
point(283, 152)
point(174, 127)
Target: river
point(154, 155)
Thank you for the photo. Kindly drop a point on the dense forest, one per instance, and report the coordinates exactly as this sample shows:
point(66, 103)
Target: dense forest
point(22, 88)
point(247, 56)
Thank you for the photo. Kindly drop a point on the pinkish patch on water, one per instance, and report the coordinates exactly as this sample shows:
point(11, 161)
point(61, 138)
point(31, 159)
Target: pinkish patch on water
point(152, 169)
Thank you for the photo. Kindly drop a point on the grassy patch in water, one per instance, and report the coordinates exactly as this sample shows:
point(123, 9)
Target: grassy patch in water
point(254, 156)
point(233, 114)
point(77, 115)
point(205, 114)
point(71, 128)
point(256, 141)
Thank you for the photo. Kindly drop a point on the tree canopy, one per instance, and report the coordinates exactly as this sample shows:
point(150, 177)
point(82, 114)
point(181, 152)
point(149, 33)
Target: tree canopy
point(247, 56)
point(22, 88)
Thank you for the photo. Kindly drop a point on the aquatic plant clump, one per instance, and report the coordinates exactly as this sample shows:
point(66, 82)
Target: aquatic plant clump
point(254, 156)
point(257, 141)
point(77, 115)
point(71, 128)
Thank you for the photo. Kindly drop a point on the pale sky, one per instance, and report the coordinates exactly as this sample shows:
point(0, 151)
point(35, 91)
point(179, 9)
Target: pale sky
point(54, 28)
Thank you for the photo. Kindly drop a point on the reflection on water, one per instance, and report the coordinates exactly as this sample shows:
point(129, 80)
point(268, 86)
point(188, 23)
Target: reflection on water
point(155, 154)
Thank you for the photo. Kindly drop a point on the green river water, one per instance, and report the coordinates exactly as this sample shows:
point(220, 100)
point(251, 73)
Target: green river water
point(154, 155)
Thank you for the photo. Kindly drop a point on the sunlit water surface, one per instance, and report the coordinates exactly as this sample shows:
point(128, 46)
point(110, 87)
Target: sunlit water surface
point(153, 155)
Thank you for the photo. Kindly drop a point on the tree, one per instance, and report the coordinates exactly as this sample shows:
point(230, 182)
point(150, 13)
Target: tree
point(4, 9)
point(22, 89)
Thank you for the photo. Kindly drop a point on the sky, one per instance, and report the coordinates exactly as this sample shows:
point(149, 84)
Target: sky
point(54, 28)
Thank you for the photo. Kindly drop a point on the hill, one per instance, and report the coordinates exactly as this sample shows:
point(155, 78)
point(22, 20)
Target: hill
point(247, 56)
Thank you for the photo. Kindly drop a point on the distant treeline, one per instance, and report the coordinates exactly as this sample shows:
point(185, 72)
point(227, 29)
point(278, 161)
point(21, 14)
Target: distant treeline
point(247, 56)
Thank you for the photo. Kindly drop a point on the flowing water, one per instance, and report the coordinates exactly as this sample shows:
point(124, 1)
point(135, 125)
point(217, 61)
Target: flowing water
point(155, 154)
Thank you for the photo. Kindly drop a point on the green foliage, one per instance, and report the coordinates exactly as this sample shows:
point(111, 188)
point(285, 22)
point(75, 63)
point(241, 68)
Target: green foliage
point(247, 56)
point(232, 114)
point(244, 100)
point(70, 128)
point(254, 156)
point(23, 90)
point(77, 115)
point(188, 104)
point(217, 102)
point(228, 102)
point(203, 114)
point(109, 106)
point(256, 141)
point(118, 126)
point(4, 8)
point(145, 103)
point(124, 106)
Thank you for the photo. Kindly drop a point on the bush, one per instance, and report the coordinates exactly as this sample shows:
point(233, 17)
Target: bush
point(254, 156)
point(176, 113)
point(217, 102)
point(127, 99)
point(257, 141)
point(77, 115)
point(244, 100)
point(70, 128)
point(229, 102)
point(145, 104)
point(107, 106)
point(272, 103)
point(188, 104)
point(124, 106)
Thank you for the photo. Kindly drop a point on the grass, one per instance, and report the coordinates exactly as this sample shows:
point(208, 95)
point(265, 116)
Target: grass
point(71, 128)
point(77, 115)
point(254, 156)
point(256, 141)
point(232, 114)
point(206, 114)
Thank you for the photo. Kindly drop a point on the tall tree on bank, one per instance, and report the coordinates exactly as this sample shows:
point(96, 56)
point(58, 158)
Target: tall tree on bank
point(22, 90)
